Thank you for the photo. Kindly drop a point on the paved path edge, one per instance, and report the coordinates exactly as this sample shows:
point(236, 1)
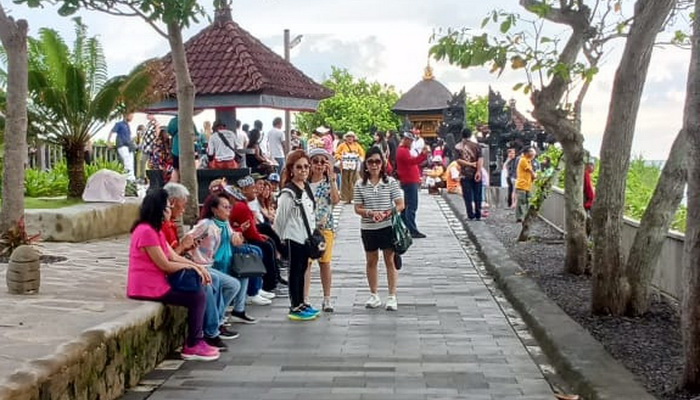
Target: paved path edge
point(103, 360)
point(580, 359)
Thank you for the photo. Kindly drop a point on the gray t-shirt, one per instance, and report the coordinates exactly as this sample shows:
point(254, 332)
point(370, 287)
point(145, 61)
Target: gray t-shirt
point(275, 143)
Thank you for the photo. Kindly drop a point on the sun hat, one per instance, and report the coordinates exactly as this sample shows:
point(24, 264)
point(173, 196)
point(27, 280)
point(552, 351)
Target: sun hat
point(437, 159)
point(322, 130)
point(409, 135)
point(320, 152)
point(274, 177)
point(349, 134)
point(234, 192)
point(245, 182)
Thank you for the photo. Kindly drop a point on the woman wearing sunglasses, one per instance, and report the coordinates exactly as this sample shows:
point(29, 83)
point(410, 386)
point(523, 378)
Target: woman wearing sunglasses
point(295, 198)
point(376, 196)
point(324, 187)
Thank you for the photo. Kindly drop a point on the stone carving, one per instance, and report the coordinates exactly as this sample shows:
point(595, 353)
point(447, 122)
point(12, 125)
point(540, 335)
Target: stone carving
point(24, 271)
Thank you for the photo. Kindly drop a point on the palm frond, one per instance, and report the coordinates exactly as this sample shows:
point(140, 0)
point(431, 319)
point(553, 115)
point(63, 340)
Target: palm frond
point(56, 55)
point(3, 68)
point(95, 65)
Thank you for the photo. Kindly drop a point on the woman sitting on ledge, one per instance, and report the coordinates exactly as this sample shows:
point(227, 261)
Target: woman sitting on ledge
point(151, 259)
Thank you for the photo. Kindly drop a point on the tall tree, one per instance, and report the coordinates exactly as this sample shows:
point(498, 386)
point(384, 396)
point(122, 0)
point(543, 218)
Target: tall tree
point(609, 288)
point(175, 15)
point(539, 56)
point(690, 313)
point(358, 105)
point(13, 35)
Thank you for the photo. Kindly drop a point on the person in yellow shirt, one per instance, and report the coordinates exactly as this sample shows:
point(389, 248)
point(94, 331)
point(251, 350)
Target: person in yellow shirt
point(523, 184)
point(350, 154)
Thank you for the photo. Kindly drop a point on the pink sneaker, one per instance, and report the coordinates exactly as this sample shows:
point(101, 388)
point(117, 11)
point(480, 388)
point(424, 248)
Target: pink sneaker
point(200, 352)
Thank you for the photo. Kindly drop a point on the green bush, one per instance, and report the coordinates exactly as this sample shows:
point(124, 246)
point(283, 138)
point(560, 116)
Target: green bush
point(54, 182)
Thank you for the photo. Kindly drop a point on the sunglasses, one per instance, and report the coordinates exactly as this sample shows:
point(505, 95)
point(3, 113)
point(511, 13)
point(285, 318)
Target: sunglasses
point(374, 161)
point(226, 207)
point(302, 166)
point(318, 161)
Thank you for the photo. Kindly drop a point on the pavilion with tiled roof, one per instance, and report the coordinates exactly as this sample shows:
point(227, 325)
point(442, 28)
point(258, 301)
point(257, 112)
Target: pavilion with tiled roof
point(424, 103)
point(231, 69)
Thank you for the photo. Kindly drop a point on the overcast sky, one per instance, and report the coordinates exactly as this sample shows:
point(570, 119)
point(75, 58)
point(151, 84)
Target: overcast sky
point(388, 41)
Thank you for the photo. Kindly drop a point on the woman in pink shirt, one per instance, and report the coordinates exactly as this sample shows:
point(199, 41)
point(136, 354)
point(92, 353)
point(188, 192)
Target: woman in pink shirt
point(151, 260)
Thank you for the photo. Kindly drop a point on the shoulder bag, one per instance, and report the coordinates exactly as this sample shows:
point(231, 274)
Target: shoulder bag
point(236, 156)
point(401, 238)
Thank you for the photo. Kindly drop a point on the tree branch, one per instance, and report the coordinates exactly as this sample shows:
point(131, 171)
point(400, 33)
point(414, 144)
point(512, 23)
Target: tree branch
point(564, 15)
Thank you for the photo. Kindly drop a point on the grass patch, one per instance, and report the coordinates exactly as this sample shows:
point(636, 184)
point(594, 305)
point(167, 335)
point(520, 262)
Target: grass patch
point(49, 203)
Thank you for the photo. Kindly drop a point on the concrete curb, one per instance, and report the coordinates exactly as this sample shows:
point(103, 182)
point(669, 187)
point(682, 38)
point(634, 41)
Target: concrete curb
point(580, 359)
point(103, 360)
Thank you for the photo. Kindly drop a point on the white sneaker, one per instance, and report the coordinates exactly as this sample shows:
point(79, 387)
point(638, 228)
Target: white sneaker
point(266, 294)
point(259, 300)
point(374, 301)
point(391, 303)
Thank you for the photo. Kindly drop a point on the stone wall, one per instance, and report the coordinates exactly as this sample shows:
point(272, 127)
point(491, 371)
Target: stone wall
point(668, 272)
point(83, 222)
point(103, 361)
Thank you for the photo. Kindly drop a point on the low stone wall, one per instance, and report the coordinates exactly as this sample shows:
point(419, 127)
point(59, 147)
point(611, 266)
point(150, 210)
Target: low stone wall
point(102, 361)
point(83, 222)
point(668, 272)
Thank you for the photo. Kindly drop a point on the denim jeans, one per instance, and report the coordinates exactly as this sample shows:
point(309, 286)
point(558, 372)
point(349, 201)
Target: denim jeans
point(410, 196)
point(471, 192)
point(280, 164)
point(220, 294)
point(254, 286)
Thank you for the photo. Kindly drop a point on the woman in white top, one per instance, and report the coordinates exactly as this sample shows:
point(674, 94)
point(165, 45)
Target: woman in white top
point(376, 196)
point(289, 225)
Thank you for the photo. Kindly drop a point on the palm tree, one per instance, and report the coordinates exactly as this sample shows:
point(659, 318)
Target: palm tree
point(72, 98)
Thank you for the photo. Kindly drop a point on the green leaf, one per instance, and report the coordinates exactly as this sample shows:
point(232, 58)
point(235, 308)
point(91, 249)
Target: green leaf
point(505, 25)
point(545, 39)
point(485, 22)
point(518, 86)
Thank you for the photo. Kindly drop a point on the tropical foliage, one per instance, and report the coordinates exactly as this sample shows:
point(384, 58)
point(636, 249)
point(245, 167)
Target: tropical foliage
point(55, 182)
point(477, 111)
point(358, 106)
point(72, 97)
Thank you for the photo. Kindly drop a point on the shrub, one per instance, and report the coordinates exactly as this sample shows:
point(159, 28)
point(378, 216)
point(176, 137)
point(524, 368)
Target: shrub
point(54, 182)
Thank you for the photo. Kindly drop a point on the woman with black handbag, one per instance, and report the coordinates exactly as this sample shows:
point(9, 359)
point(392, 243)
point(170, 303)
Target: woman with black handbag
point(294, 217)
point(377, 197)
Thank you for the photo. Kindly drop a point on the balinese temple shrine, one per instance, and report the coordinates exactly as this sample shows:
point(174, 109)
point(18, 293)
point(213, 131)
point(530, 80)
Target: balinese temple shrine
point(423, 105)
point(230, 69)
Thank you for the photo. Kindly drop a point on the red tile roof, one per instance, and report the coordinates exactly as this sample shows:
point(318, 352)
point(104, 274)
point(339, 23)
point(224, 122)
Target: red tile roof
point(226, 59)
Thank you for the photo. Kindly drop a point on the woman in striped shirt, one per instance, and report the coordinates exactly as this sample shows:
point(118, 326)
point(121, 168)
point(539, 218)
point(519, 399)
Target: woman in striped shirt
point(376, 196)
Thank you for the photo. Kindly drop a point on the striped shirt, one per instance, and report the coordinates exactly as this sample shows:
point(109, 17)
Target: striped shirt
point(379, 197)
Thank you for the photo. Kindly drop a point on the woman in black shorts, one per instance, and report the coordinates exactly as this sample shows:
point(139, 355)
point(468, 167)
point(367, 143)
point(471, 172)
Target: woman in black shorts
point(376, 195)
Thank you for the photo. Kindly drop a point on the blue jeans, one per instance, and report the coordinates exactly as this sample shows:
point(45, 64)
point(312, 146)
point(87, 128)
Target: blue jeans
point(410, 196)
point(254, 286)
point(471, 192)
point(223, 289)
point(280, 164)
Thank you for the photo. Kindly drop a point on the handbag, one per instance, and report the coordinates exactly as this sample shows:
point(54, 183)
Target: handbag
point(315, 242)
point(400, 236)
point(247, 265)
point(185, 280)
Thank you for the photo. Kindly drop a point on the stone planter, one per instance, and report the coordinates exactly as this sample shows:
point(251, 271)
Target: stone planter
point(23, 272)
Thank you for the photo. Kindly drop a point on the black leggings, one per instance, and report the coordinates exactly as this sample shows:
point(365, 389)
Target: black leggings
point(266, 229)
point(195, 302)
point(298, 262)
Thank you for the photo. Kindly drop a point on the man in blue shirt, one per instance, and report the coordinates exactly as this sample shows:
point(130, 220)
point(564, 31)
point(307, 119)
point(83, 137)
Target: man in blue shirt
point(173, 131)
point(124, 144)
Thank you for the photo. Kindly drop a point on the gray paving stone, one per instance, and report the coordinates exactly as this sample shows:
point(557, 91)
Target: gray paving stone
point(449, 339)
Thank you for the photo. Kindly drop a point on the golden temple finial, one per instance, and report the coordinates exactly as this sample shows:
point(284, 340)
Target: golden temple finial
point(428, 74)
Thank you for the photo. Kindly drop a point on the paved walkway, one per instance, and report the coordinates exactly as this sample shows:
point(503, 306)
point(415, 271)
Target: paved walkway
point(86, 290)
point(449, 339)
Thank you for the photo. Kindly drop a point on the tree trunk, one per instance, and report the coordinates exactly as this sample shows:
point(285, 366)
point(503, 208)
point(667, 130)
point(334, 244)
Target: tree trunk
point(690, 312)
point(13, 35)
point(75, 161)
point(655, 223)
point(185, 105)
point(576, 238)
point(609, 289)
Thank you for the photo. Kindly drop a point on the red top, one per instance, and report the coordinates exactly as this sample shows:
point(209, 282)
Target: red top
point(588, 190)
point(407, 165)
point(169, 229)
point(240, 214)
